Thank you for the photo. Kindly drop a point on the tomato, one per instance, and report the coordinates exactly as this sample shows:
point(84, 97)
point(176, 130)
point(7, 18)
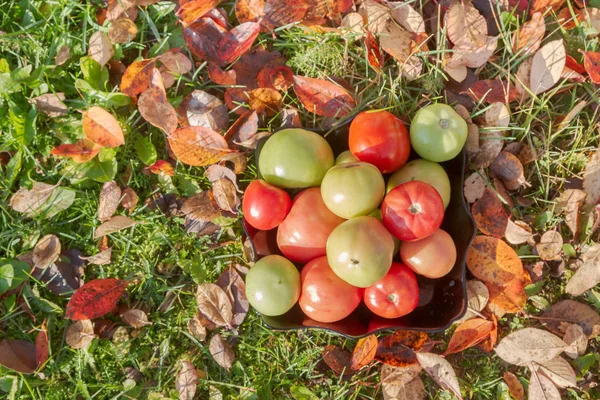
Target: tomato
point(265, 206)
point(345, 157)
point(394, 295)
point(352, 189)
point(273, 285)
point(438, 133)
point(424, 171)
point(381, 139)
point(412, 211)
point(377, 214)
point(325, 297)
point(432, 257)
point(295, 158)
point(303, 234)
point(360, 251)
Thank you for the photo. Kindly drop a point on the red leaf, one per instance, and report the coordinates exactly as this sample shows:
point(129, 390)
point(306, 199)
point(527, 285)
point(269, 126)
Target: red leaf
point(237, 41)
point(399, 348)
point(323, 97)
point(18, 355)
point(364, 352)
point(41, 346)
point(374, 54)
point(492, 91)
point(279, 77)
point(469, 334)
point(570, 62)
point(337, 359)
point(193, 10)
point(202, 38)
point(591, 62)
point(95, 298)
point(219, 76)
point(162, 166)
point(137, 77)
point(82, 151)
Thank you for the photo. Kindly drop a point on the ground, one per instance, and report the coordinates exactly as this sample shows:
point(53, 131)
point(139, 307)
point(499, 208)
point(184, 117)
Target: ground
point(161, 259)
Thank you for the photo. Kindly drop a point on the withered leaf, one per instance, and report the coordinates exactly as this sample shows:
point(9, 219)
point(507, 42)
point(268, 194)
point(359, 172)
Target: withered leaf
point(137, 77)
point(591, 179)
point(176, 62)
point(548, 64)
point(472, 56)
point(412, 390)
point(338, 360)
point(478, 296)
point(530, 35)
point(474, 187)
point(399, 348)
point(100, 48)
point(80, 333)
point(558, 371)
point(399, 376)
point(162, 167)
point(490, 215)
point(233, 285)
point(440, 371)
point(550, 246)
point(364, 352)
point(290, 118)
point(493, 261)
point(465, 25)
point(156, 109)
point(198, 146)
point(518, 232)
point(82, 151)
point(30, 202)
point(376, 15)
point(214, 304)
point(567, 312)
point(129, 199)
point(509, 169)
point(191, 11)
point(492, 91)
point(110, 195)
point(46, 251)
point(396, 42)
point(221, 351)
point(469, 334)
point(187, 381)
point(196, 329)
point(237, 41)
point(529, 345)
point(62, 55)
point(203, 109)
point(18, 355)
point(278, 77)
point(122, 30)
point(136, 318)
point(115, 224)
point(587, 275)
point(265, 101)
point(323, 97)
point(569, 203)
point(591, 63)
point(201, 207)
point(542, 388)
point(515, 388)
point(244, 128)
point(408, 17)
point(102, 258)
point(491, 143)
point(51, 104)
point(577, 341)
point(219, 76)
point(102, 128)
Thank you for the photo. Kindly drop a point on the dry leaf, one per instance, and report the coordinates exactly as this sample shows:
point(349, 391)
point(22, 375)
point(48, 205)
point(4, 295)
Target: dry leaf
point(30, 202)
point(399, 348)
point(497, 116)
point(102, 128)
point(541, 388)
point(494, 262)
point(196, 329)
point(236, 42)
point(441, 371)
point(473, 56)
point(115, 224)
point(364, 352)
point(129, 199)
point(518, 232)
point(62, 55)
point(530, 35)
point(507, 298)
point(100, 48)
point(376, 15)
point(82, 151)
point(469, 334)
point(175, 62)
point(591, 179)
point(221, 352)
point(80, 334)
point(408, 17)
point(529, 345)
point(353, 22)
point(198, 146)
point(156, 109)
point(587, 275)
point(323, 97)
point(465, 25)
point(224, 192)
point(509, 169)
point(122, 30)
point(192, 10)
point(548, 64)
point(338, 360)
point(136, 318)
point(566, 121)
point(492, 91)
point(522, 81)
point(162, 167)
point(290, 118)
point(102, 258)
point(278, 77)
point(219, 76)
point(203, 109)
point(491, 143)
point(566, 312)
point(110, 195)
point(478, 296)
point(46, 251)
point(591, 63)
point(137, 77)
point(201, 208)
point(265, 101)
point(569, 203)
point(244, 128)
point(558, 371)
point(577, 341)
point(51, 104)
point(550, 246)
point(214, 304)
point(515, 388)
point(374, 54)
point(458, 72)
point(396, 42)
point(474, 187)
point(187, 381)
point(233, 285)
point(413, 390)
point(399, 376)
point(490, 215)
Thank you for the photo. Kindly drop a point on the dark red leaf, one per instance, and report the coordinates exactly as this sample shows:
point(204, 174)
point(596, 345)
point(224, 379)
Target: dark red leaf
point(18, 355)
point(219, 76)
point(219, 15)
point(95, 298)
point(374, 54)
point(203, 37)
point(492, 91)
point(591, 62)
point(237, 41)
point(279, 77)
point(251, 63)
point(323, 97)
point(338, 360)
point(41, 346)
point(399, 348)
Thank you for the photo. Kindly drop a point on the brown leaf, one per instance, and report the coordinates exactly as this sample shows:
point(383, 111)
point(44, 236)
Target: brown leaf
point(488, 344)
point(198, 146)
point(412, 390)
point(567, 312)
point(323, 97)
point(237, 41)
point(51, 104)
point(515, 388)
point(547, 66)
point(510, 297)
point(80, 334)
point(41, 347)
point(249, 10)
point(235, 288)
point(102, 128)
point(478, 296)
point(62, 55)
point(489, 214)
point(102, 258)
point(509, 169)
point(569, 203)
point(518, 232)
point(492, 91)
point(265, 101)
point(221, 352)
point(591, 179)
point(187, 380)
point(110, 195)
point(550, 246)
point(474, 187)
point(243, 129)
point(201, 207)
point(396, 42)
point(121, 8)
point(115, 224)
point(577, 341)
point(542, 388)
point(353, 22)
point(46, 251)
point(398, 381)
point(18, 355)
point(100, 48)
point(31, 201)
point(203, 109)
point(399, 348)
point(473, 56)
point(408, 17)
point(374, 54)
point(530, 35)
point(214, 304)
point(491, 143)
point(469, 334)
point(129, 199)
point(290, 118)
point(441, 371)
point(156, 109)
point(137, 77)
point(219, 76)
point(277, 77)
point(497, 116)
point(250, 64)
point(529, 345)
point(465, 25)
point(122, 30)
point(376, 15)
point(587, 275)
point(136, 318)
point(338, 360)
point(203, 38)
point(364, 352)
point(175, 62)
point(196, 329)
point(591, 63)
point(82, 151)
point(558, 371)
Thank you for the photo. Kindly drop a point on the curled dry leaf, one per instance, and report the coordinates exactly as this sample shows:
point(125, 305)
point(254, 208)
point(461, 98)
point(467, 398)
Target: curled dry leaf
point(51, 104)
point(509, 169)
point(577, 341)
point(529, 345)
point(41, 347)
point(569, 203)
point(550, 246)
point(82, 151)
point(591, 179)
point(196, 329)
point(465, 25)
point(353, 22)
point(587, 275)
point(122, 30)
point(591, 63)
point(235, 288)
point(323, 97)
point(478, 296)
point(129, 199)
point(115, 224)
point(440, 371)
point(469, 334)
point(95, 298)
point(198, 146)
point(46, 251)
point(474, 187)
point(18, 355)
point(290, 118)
point(102, 258)
point(374, 54)
point(364, 352)
point(566, 312)
point(137, 77)
point(530, 35)
point(518, 232)
point(244, 128)
point(497, 116)
point(110, 195)
point(214, 304)
point(490, 215)
point(100, 48)
point(187, 379)
point(136, 318)
point(547, 66)
point(338, 360)
point(203, 109)
point(80, 334)
point(102, 128)
point(399, 382)
point(396, 42)
point(221, 351)
point(558, 371)
point(542, 388)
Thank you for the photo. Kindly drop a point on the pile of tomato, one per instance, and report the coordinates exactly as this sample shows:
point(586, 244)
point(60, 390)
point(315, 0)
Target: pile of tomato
point(347, 224)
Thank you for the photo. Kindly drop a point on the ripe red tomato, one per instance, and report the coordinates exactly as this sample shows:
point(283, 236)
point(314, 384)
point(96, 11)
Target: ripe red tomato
point(381, 139)
point(325, 297)
point(394, 295)
point(412, 211)
point(265, 206)
point(302, 236)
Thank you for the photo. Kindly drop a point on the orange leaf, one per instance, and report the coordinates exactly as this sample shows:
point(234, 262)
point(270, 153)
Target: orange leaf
point(162, 166)
point(510, 297)
point(515, 387)
point(237, 41)
point(364, 352)
point(468, 334)
point(265, 101)
point(102, 128)
point(323, 97)
point(41, 346)
point(591, 62)
point(494, 262)
point(492, 91)
point(219, 76)
point(82, 151)
point(279, 77)
point(399, 348)
point(489, 214)
point(137, 77)
point(374, 54)
point(570, 62)
point(193, 10)
point(198, 146)
point(488, 344)
point(531, 34)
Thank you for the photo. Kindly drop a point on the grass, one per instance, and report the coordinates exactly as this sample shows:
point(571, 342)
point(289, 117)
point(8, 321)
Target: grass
point(164, 261)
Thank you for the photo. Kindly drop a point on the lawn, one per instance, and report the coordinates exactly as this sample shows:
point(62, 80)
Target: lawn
point(164, 254)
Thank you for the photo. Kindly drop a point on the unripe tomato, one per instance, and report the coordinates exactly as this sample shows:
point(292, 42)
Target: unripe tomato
point(432, 257)
point(381, 139)
point(412, 211)
point(394, 295)
point(265, 206)
point(345, 157)
point(424, 171)
point(325, 297)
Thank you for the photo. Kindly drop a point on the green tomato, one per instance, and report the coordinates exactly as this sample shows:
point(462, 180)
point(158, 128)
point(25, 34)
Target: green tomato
point(346, 157)
point(438, 133)
point(424, 171)
point(273, 285)
point(295, 159)
point(377, 214)
point(360, 251)
point(352, 189)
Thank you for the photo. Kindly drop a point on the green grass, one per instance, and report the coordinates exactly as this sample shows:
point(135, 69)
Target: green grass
point(161, 259)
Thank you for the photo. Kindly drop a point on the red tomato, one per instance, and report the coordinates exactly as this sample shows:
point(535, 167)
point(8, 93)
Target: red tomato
point(325, 297)
point(412, 211)
point(432, 257)
point(394, 295)
point(302, 236)
point(381, 139)
point(265, 206)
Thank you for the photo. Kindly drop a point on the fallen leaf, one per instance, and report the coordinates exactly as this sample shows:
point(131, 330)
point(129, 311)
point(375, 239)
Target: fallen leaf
point(492, 91)
point(569, 203)
point(102, 128)
point(550, 246)
point(469, 334)
point(46, 251)
point(399, 348)
point(156, 109)
point(587, 275)
point(102, 258)
point(474, 187)
point(478, 296)
point(509, 169)
point(82, 151)
point(497, 116)
point(136, 318)
point(278, 77)
point(203, 39)
point(137, 77)
point(523, 81)
point(440, 371)
point(265, 101)
point(567, 312)
point(508, 298)
point(548, 64)
point(290, 118)
point(129, 199)
point(544, 5)
point(201, 209)
point(577, 341)
point(396, 42)
point(458, 72)
point(100, 48)
point(413, 390)
point(187, 378)
point(515, 388)
point(395, 381)
point(493, 261)
point(121, 8)
point(237, 41)
point(18, 355)
point(31, 201)
point(558, 371)
point(203, 109)
point(115, 224)
point(408, 17)
point(364, 352)
point(219, 76)
point(192, 10)
point(353, 22)
point(518, 232)
point(196, 329)
point(376, 15)
point(214, 304)
point(221, 351)
point(51, 104)
point(473, 56)
point(322, 97)
point(235, 288)
point(374, 54)
point(198, 146)
point(62, 55)
point(338, 360)
point(530, 35)
point(490, 146)
point(465, 25)
point(591, 179)
point(250, 64)
point(162, 167)
point(62, 277)
point(591, 63)
point(110, 195)
point(529, 345)
point(216, 172)
point(566, 121)
point(243, 129)
point(489, 214)
point(95, 299)
point(122, 30)
point(541, 388)
point(80, 334)
point(41, 347)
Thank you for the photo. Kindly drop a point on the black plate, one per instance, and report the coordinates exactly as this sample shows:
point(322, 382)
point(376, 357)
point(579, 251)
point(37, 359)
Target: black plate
point(442, 301)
